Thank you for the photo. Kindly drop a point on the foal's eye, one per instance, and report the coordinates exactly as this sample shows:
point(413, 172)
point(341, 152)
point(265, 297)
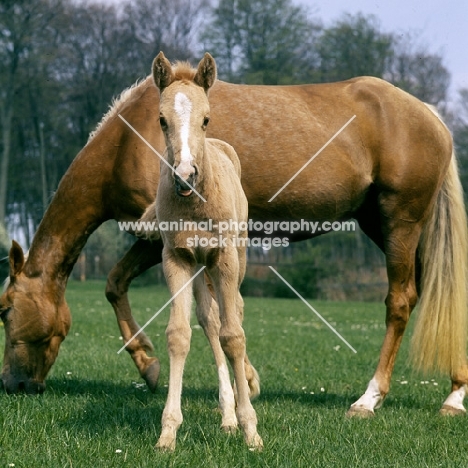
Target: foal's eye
point(163, 123)
point(206, 121)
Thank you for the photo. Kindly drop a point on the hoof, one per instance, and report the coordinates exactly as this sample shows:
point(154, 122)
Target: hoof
point(151, 376)
point(165, 445)
point(359, 412)
point(451, 411)
point(162, 447)
point(255, 443)
point(229, 429)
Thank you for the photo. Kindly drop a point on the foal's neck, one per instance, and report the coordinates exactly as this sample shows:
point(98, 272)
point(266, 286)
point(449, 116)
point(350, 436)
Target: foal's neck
point(206, 174)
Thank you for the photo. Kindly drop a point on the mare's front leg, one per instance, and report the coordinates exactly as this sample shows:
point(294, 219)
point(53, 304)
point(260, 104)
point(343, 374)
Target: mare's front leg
point(141, 256)
point(225, 277)
point(178, 272)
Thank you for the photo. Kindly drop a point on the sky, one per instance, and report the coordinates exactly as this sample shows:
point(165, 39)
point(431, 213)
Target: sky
point(441, 25)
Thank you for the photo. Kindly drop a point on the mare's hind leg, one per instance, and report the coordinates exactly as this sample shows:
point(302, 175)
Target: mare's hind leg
point(400, 240)
point(141, 256)
point(208, 317)
point(453, 405)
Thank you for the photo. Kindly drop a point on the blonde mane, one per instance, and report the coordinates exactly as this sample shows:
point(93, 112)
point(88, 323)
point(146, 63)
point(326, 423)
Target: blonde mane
point(118, 102)
point(182, 71)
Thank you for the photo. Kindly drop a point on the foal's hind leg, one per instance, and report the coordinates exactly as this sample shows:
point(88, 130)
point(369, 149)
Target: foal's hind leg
point(232, 338)
point(251, 373)
point(400, 242)
point(253, 379)
point(208, 317)
point(141, 256)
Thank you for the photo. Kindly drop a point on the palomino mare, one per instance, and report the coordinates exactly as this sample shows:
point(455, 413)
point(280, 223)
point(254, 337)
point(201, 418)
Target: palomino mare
point(212, 166)
point(392, 169)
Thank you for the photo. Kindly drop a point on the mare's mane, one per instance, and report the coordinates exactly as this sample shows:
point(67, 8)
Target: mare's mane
point(127, 95)
point(183, 71)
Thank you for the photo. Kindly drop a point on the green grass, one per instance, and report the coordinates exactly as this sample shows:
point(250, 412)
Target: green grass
point(95, 404)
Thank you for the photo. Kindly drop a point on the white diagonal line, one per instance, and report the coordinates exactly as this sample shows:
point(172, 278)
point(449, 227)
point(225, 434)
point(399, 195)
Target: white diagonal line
point(312, 158)
point(158, 154)
point(161, 309)
point(312, 309)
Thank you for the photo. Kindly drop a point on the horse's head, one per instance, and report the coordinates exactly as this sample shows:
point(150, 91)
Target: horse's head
point(184, 115)
point(35, 326)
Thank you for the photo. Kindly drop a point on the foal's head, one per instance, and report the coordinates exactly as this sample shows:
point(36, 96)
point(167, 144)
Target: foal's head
point(184, 114)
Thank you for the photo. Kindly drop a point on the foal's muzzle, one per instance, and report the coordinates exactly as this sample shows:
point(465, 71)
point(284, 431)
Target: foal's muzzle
point(183, 187)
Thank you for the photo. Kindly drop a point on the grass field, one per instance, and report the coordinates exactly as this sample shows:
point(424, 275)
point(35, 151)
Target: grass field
point(97, 413)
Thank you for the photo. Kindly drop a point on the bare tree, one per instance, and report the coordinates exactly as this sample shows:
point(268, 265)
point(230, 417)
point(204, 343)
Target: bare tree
point(260, 41)
point(418, 71)
point(354, 46)
point(23, 25)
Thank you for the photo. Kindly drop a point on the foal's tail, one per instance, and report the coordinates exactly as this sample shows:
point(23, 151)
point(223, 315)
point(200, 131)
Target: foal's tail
point(440, 335)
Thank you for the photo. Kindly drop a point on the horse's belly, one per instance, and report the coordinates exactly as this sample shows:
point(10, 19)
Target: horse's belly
point(318, 198)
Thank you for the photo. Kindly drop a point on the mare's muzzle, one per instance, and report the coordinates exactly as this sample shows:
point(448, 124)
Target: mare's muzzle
point(13, 385)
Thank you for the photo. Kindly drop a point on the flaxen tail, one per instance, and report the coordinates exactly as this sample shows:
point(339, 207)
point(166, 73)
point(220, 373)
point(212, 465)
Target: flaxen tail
point(440, 335)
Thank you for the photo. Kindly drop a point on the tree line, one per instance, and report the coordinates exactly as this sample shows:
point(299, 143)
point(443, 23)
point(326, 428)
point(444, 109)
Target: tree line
point(63, 61)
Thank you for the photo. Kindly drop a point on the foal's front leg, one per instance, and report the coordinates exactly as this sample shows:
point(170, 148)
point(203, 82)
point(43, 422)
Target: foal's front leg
point(178, 334)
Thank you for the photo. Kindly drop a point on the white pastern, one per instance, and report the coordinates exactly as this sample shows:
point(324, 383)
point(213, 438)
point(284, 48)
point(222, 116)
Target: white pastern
point(455, 399)
point(226, 398)
point(371, 399)
point(183, 108)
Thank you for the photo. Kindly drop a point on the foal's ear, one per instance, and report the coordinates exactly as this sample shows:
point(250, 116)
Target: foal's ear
point(16, 259)
point(206, 72)
point(162, 72)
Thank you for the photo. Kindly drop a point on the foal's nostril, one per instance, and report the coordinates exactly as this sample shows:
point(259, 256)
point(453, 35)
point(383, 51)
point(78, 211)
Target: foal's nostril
point(185, 184)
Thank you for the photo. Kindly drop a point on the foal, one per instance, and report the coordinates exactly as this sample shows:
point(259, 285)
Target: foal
point(202, 183)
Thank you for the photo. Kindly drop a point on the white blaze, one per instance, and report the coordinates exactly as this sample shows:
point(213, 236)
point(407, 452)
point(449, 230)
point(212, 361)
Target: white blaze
point(183, 108)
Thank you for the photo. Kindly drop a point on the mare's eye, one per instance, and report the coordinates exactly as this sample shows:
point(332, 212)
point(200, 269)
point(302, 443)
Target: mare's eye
point(3, 312)
point(163, 123)
point(206, 121)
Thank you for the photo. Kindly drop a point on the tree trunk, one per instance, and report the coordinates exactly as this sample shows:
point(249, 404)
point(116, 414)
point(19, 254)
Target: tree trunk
point(6, 117)
point(43, 166)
